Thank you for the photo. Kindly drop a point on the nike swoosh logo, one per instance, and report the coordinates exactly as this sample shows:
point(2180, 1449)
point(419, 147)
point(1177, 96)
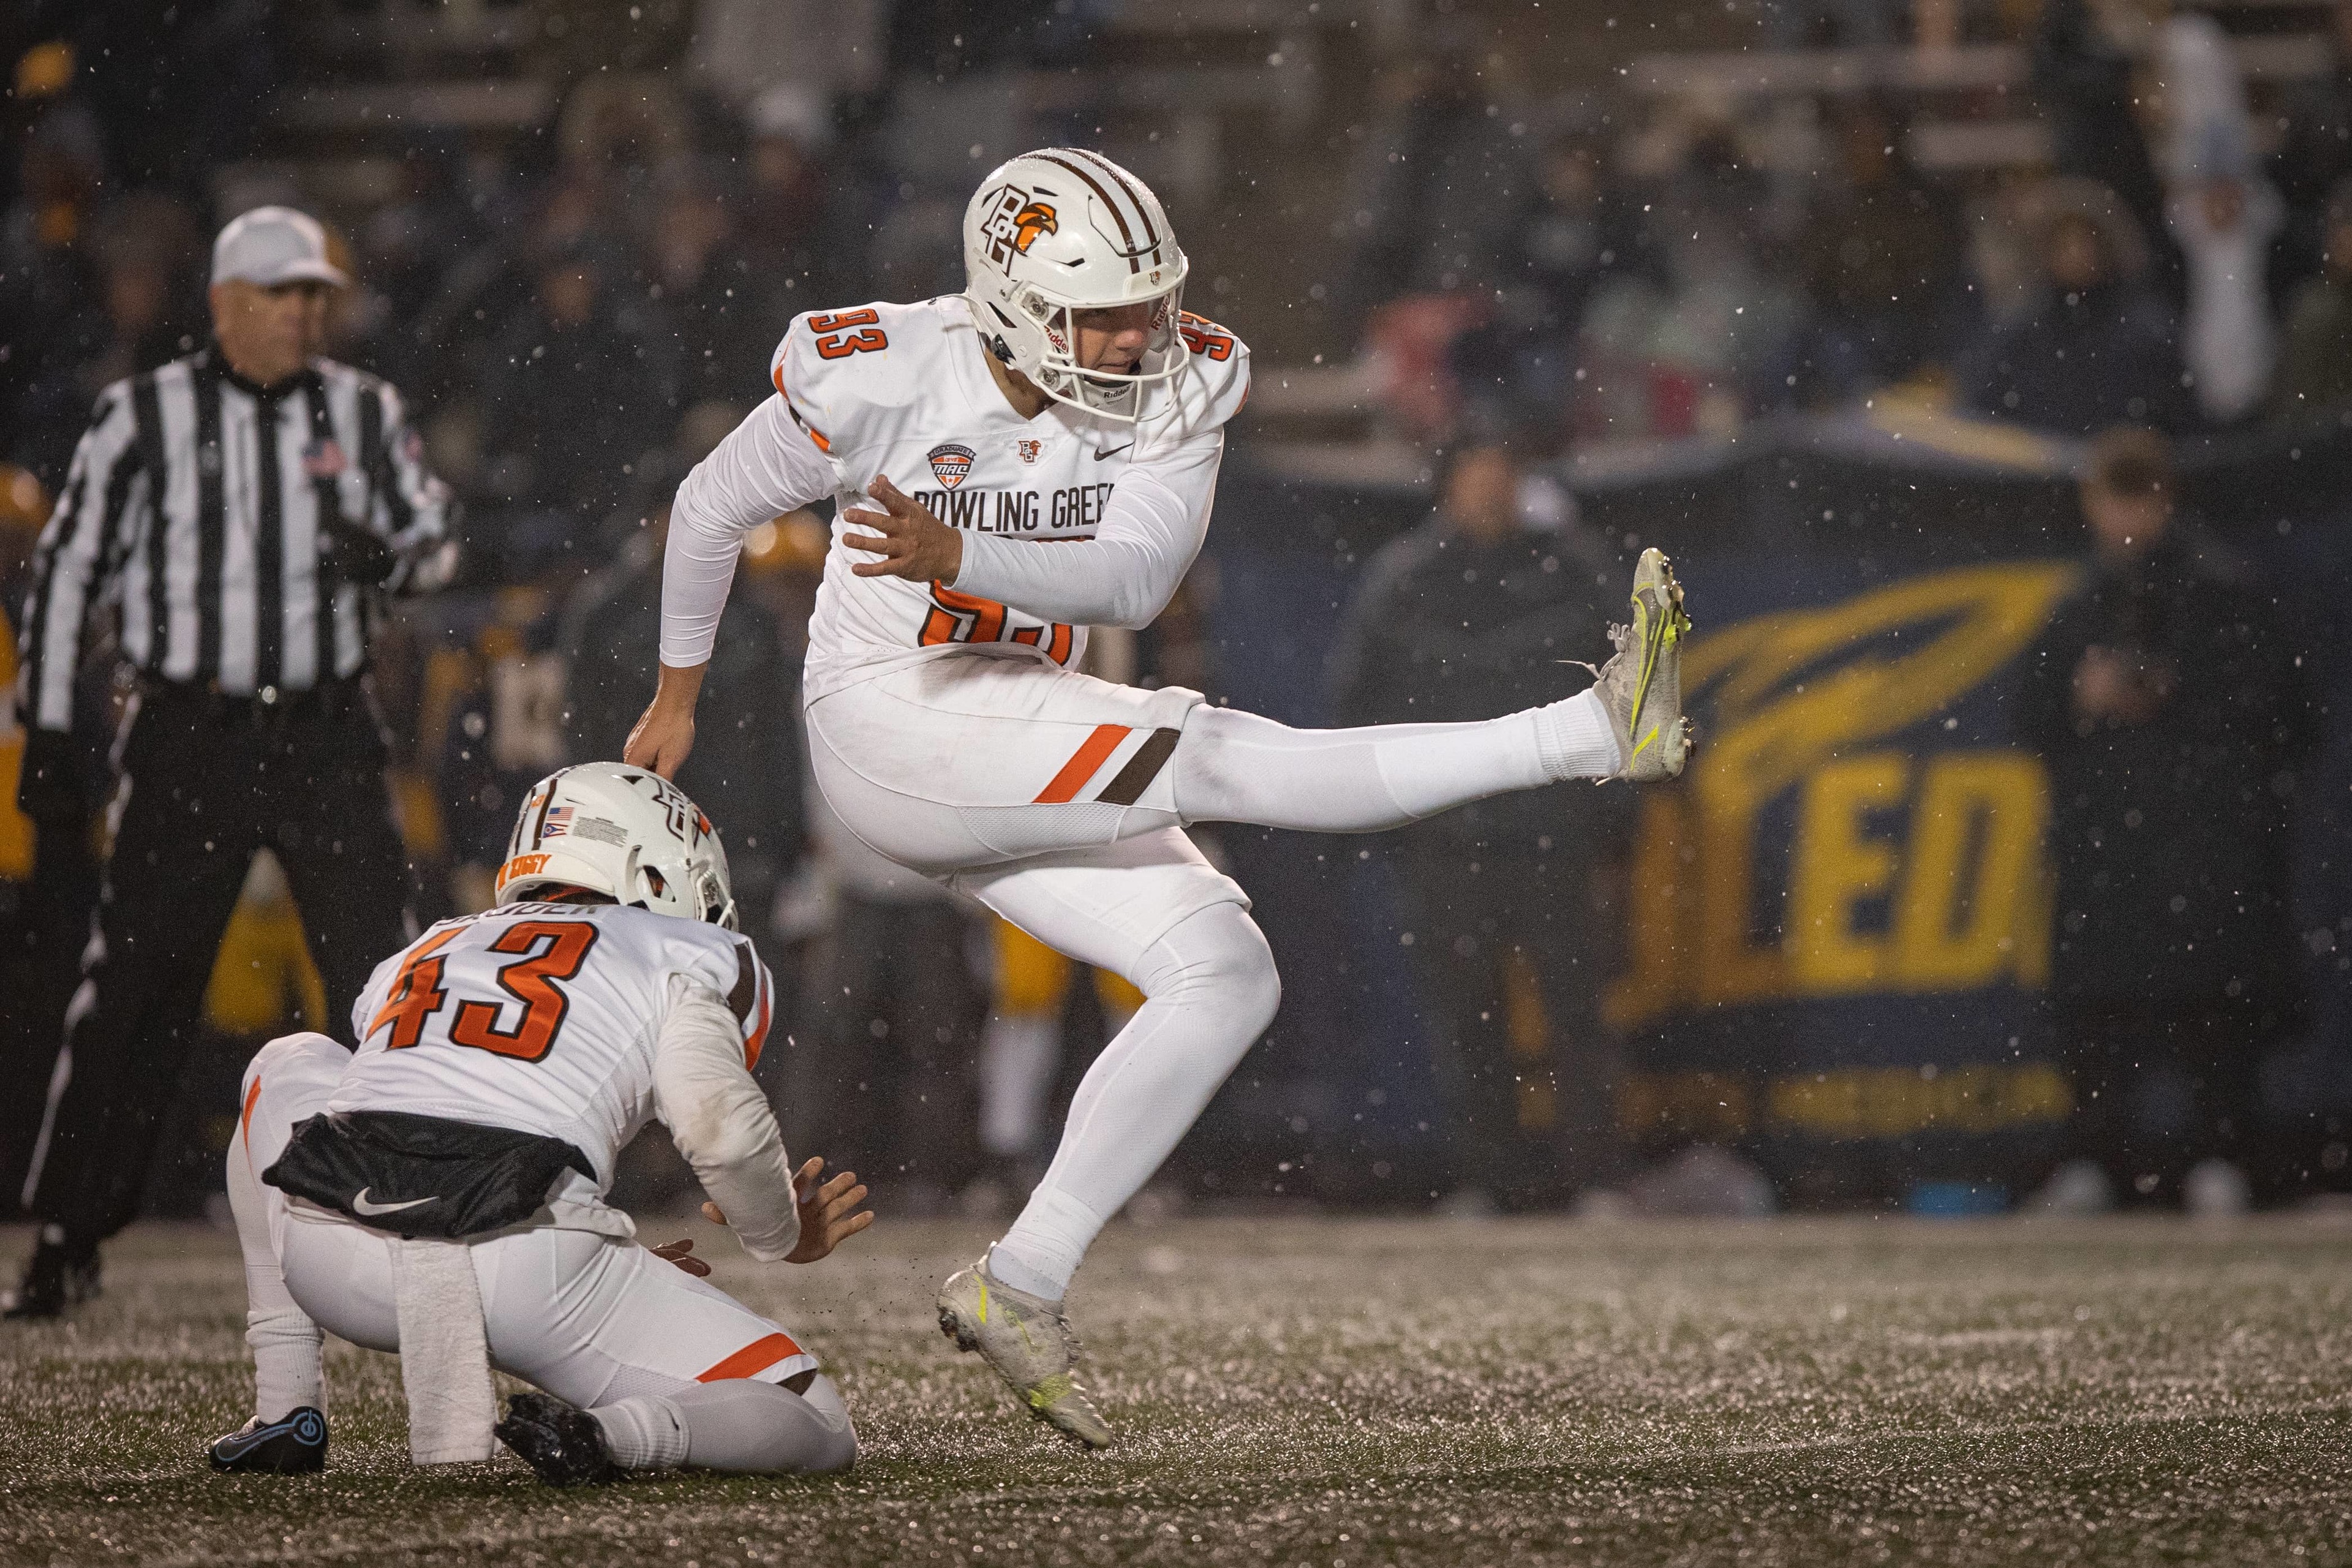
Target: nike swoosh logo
point(1114, 452)
point(236, 1445)
point(360, 1204)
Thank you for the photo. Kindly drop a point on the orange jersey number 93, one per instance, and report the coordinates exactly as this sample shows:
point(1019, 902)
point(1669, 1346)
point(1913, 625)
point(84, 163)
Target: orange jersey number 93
point(834, 340)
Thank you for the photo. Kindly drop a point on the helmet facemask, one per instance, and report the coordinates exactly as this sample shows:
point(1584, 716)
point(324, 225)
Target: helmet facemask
point(1114, 395)
point(717, 904)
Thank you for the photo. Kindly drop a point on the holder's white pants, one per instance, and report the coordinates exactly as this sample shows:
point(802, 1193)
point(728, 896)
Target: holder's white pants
point(592, 1319)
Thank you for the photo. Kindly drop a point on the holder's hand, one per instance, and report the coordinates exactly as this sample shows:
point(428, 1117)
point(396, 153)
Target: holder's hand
point(826, 1211)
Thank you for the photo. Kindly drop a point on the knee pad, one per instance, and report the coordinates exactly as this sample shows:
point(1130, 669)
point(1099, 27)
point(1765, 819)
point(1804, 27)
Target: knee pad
point(1220, 951)
point(760, 1428)
point(296, 1070)
point(825, 1399)
point(289, 1079)
point(1205, 768)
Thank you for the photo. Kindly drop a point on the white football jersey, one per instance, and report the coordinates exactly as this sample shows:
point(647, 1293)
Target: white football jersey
point(904, 391)
point(543, 1018)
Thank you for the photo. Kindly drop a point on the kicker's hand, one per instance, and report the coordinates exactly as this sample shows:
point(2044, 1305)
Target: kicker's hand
point(829, 1212)
point(664, 734)
point(912, 543)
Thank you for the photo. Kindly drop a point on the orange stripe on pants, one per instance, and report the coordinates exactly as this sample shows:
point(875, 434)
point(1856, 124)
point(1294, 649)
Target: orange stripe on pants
point(244, 1122)
point(1082, 764)
point(756, 1357)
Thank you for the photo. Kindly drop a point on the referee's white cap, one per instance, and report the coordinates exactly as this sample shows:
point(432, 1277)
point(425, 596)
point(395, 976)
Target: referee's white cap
point(270, 246)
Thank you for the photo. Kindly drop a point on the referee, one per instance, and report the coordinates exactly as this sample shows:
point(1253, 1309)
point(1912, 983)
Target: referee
point(244, 509)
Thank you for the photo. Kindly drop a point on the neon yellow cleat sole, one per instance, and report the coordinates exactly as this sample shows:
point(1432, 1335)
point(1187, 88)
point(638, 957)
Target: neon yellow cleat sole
point(1642, 684)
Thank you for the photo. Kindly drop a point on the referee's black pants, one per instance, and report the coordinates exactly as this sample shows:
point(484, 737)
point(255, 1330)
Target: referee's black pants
point(211, 780)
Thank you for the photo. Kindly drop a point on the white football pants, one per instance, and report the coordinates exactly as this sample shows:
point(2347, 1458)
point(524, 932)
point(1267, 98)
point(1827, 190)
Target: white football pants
point(1059, 801)
point(666, 1360)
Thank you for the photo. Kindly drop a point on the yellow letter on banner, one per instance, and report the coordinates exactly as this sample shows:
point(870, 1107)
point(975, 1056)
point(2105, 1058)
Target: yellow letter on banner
point(1660, 888)
point(1837, 866)
point(1968, 895)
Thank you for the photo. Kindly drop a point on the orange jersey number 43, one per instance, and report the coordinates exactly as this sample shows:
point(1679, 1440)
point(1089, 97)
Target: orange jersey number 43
point(419, 994)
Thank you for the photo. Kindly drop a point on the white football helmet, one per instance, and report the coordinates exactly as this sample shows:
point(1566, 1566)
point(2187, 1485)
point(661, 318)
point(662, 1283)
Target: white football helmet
point(1062, 230)
point(625, 832)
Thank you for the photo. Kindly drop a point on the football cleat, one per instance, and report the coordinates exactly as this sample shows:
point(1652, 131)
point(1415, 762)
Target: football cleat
point(561, 1443)
point(1026, 1341)
point(1642, 684)
point(56, 1280)
point(293, 1445)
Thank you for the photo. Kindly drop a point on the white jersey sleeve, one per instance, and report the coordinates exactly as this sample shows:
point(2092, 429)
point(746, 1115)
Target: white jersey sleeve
point(1156, 520)
point(770, 463)
point(705, 1094)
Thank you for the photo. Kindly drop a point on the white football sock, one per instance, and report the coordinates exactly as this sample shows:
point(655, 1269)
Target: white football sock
point(1046, 1243)
point(1211, 990)
point(1233, 766)
point(1577, 740)
point(646, 1433)
point(286, 1344)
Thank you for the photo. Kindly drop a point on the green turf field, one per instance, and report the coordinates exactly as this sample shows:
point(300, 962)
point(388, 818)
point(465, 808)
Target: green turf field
point(1343, 1392)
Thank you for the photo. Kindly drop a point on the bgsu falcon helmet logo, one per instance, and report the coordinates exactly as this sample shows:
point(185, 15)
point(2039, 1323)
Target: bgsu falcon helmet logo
point(1030, 221)
point(950, 463)
point(1015, 219)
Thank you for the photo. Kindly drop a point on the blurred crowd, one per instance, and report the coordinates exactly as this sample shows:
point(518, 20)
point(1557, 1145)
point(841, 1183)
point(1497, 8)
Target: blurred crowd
point(579, 315)
point(1645, 268)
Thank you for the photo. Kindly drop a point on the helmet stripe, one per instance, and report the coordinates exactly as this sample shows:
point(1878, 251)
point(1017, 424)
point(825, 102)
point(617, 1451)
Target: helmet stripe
point(1142, 209)
point(1126, 234)
point(539, 829)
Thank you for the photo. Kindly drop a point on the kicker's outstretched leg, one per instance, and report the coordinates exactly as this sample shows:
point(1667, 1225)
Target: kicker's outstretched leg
point(1233, 766)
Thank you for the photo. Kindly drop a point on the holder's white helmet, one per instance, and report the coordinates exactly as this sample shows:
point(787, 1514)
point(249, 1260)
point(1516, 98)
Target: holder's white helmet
point(1062, 230)
point(625, 832)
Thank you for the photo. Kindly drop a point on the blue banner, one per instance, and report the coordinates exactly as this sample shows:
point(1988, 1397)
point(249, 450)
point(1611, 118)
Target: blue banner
point(1840, 915)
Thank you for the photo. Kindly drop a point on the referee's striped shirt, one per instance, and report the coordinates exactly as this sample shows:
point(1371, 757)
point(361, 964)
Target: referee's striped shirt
point(193, 505)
